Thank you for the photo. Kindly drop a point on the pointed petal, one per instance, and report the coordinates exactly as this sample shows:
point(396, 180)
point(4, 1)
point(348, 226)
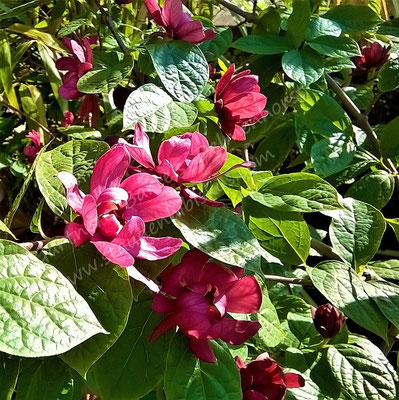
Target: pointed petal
point(294, 380)
point(243, 85)
point(153, 248)
point(188, 193)
point(131, 232)
point(254, 395)
point(89, 214)
point(224, 81)
point(134, 273)
point(69, 90)
point(155, 12)
point(234, 332)
point(172, 12)
point(140, 150)
point(109, 226)
point(161, 304)
point(165, 325)
point(141, 187)
point(238, 133)
point(109, 170)
point(193, 324)
point(74, 195)
point(76, 233)
point(175, 150)
point(66, 64)
point(114, 253)
point(202, 349)
point(115, 195)
point(205, 165)
point(166, 170)
point(191, 31)
point(245, 296)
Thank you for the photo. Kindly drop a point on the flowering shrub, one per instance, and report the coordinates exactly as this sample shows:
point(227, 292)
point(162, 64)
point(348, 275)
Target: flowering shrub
point(199, 200)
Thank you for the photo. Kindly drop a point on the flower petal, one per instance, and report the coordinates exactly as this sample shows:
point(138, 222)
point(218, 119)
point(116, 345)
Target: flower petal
point(140, 150)
point(244, 296)
point(224, 81)
point(161, 304)
point(294, 380)
point(131, 232)
point(109, 170)
point(155, 12)
point(74, 195)
point(193, 324)
point(114, 253)
point(234, 332)
point(202, 349)
point(76, 233)
point(165, 325)
point(89, 214)
point(175, 150)
point(154, 248)
point(115, 195)
point(134, 273)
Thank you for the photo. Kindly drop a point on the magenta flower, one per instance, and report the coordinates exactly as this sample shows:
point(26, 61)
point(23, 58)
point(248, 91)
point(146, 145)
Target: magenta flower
point(264, 379)
point(68, 120)
point(76, 65)
point(113, 215)
point(32, 149)
point(89, 110)
point(238, 102)
point(197, 295)
point(182, 159)
point(178, 24)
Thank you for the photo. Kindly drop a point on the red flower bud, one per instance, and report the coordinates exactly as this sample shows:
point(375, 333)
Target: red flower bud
point(328, 320)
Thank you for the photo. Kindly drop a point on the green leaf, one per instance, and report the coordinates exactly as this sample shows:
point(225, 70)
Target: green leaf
point(298, 192)
point(72, 26)
point(363, 98)
point(387, 269)
point(9, 370)
point(132, 367)
point(309, 392)
point(77, 157)
point(337, 65)
point(389, 137)
point(332, 155)
point(22, 8)
point(103, 80)
point(181, 67)
point(298, 22)
point(216, 47)
point(80, 132)
point(187, 378)
point(284, 235)
point(327, 117)
point(386, 296)
point(365, 19)
point(360, 376)
point(375, 188)
point(320, 26)
point(33, 106)
point(356, 231)
point(104, 286)
point(41, 312)
point(4, 228)
point(304, 66)
point(267, 44)
point(220, 233)
point(339, 283)
point(389, 27)
point(335, 46)
point(389, 76)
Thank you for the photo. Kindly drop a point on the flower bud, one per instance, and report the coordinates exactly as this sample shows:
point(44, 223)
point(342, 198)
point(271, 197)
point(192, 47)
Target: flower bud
point(328, 320)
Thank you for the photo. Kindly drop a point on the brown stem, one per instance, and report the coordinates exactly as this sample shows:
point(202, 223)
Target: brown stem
point(363, 122)
point(37, 244)
point(237, 10)
point(288, 281)
point(324, 249)
point(111, 26)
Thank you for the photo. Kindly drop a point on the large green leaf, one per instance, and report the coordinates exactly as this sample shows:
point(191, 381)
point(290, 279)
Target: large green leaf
point(266, 44)
point(353, 19)
point(156, 111)
point(77, 157)
point(389, 76)
point(187, 378)
point(298, 22)
point(356, 231)
point(220, 233)
point(304, 66)
point(298, 192)
point(102, 80)
point(375, 188)
point(104, 286)
point(283, 234)
point(41, 312)
point(132, 367)
point(387, 269)
point(339, 283)
point(320, 26)
point(216, 47)
point(335, 46)
point(182, 68)
point(361, 376)
point(389, 137)
point(333, 154)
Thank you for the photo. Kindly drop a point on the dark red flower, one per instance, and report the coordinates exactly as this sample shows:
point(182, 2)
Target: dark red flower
point(238, 102)
point(328, 320)
point(264, 379)
point(178, 24)
point(89, 110)
point(197, 295)
point(373, 56)
point(68, 119)
point(76, 65)
point(34, 147)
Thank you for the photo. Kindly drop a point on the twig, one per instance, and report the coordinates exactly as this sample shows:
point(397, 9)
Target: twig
point(288, 281)
point(363, 122)
point(36, 245)
point(324, 249)
point(237, 10)
point(111, 26)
